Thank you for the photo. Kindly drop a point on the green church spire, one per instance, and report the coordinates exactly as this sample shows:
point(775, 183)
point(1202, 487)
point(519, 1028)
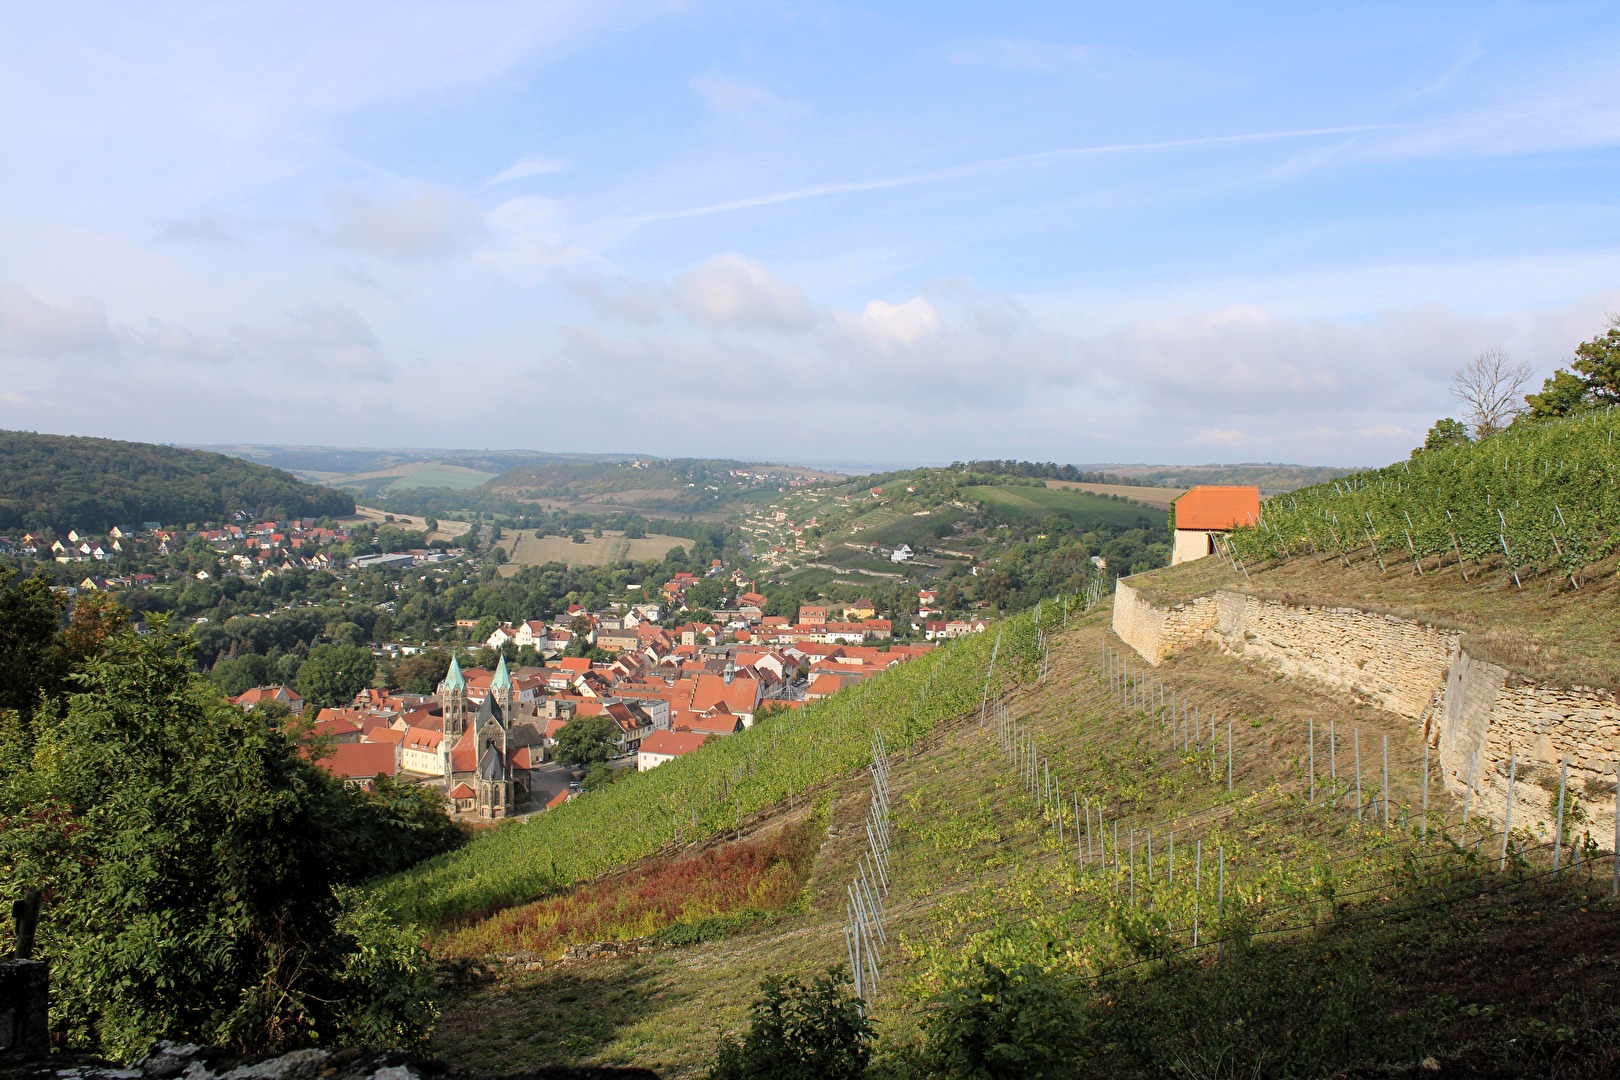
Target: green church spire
point(502, 680)
point(453, 679)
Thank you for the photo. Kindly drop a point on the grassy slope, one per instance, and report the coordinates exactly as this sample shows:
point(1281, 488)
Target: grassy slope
point(1546, 630)
point(1082, 507)
point(976, 872)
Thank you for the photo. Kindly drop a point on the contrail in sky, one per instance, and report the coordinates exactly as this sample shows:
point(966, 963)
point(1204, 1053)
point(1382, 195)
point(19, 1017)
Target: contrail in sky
point(953, 172)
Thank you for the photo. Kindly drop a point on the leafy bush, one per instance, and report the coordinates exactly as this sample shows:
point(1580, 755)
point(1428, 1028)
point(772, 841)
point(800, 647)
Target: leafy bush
point(799, 1032)
point(1023, 1024)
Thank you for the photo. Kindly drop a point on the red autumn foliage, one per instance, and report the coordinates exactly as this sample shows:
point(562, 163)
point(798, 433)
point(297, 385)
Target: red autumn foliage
point(760, 875)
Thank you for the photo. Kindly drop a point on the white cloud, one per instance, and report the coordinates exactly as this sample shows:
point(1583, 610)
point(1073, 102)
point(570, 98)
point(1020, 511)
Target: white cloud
point(731, 291)
point(532, 166)
point(426, 223)
point(39, 324)
point(10, 398)
point(324, 339)
point(899, 324)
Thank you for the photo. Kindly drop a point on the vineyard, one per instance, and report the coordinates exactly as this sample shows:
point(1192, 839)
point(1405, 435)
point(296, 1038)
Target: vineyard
point(1535, 498)
point(1122, 830)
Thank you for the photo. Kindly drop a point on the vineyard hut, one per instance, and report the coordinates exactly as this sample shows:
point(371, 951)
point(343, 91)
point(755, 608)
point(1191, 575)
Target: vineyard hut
point(1209, 509)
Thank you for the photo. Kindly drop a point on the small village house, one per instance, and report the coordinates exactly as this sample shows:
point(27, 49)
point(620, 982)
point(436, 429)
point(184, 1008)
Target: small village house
point(1208, 510)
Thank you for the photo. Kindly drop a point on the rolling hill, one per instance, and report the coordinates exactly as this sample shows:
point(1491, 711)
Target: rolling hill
point(64, 482)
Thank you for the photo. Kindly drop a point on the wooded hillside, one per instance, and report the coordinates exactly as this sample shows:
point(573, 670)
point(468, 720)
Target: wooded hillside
point(64, 482)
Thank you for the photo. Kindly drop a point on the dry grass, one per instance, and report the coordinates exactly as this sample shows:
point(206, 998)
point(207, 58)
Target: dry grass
point(1546, 631)
point(763, 874)
point(1156, 497)
point(447, 530)
point(523, 548)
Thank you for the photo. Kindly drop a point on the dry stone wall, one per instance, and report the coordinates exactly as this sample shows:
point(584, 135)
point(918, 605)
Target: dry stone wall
point(1480, 717)
point(1156, 632)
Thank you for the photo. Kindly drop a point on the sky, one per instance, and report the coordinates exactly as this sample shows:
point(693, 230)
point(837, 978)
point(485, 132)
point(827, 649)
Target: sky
point(802, 231)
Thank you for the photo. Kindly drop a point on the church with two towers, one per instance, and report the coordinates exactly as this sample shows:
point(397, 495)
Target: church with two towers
point(488, 748)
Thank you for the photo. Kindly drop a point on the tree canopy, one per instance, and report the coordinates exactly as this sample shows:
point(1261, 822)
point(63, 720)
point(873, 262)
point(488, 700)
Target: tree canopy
point(194, 864)
point(1592, 381)
point(334, 674)
point(586, 740)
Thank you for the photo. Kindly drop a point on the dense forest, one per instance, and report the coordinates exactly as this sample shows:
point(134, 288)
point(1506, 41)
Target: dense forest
point(63, 482)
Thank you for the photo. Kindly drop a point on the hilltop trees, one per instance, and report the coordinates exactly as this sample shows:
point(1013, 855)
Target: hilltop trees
point(1489, 387)
point(1447, 432)
point(1594, 380)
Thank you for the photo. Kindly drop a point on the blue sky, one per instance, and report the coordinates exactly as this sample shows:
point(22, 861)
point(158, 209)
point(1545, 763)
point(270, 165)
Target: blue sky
point(798, 231)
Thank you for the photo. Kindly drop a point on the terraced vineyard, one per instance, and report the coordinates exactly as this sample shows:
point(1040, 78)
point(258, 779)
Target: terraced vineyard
point(1537, 498)
point(992, 862)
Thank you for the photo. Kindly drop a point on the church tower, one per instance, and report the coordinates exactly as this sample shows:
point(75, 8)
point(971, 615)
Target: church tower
point(453, 704)
point(500, 688)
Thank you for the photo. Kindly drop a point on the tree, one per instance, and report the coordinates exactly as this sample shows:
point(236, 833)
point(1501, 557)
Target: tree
point(334, 674)
point(1447, 432)
point(1489, 387)
point(586, 740)
point(32, 660)
point(419, 674)
point(1026, 1023)
point(1599, 361)
point(192, 862)
point(1562, 394)
point(235, 676)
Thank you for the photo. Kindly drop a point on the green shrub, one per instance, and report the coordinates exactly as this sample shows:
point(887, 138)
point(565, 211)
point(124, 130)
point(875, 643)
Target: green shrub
point(799, 1032)
point(1023, 1024)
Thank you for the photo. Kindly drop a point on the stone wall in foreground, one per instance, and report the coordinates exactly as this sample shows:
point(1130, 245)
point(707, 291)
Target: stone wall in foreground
point(1477, 715)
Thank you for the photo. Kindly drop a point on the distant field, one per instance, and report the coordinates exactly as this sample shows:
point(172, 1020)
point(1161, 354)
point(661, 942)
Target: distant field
point(1081, 507)
point(523, 548)
point(447, 530)
point(438, 474)
point(403, 477)
point(1159, 497)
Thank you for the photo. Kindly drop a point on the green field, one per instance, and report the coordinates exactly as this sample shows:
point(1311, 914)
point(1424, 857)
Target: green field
point(437, 474)
point(1035, 504)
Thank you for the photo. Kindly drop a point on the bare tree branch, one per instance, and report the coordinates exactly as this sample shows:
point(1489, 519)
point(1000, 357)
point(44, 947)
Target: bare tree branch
point(1491, 388)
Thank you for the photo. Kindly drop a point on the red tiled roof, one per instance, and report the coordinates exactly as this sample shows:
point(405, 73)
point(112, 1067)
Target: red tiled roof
point(673, 743)
point(361, 761)
point(740, 697)
point(462, 790)
point(1208, 506)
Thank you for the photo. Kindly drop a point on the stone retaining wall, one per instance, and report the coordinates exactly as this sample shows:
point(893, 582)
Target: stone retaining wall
point(1156, 632)
point(1476, 714)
